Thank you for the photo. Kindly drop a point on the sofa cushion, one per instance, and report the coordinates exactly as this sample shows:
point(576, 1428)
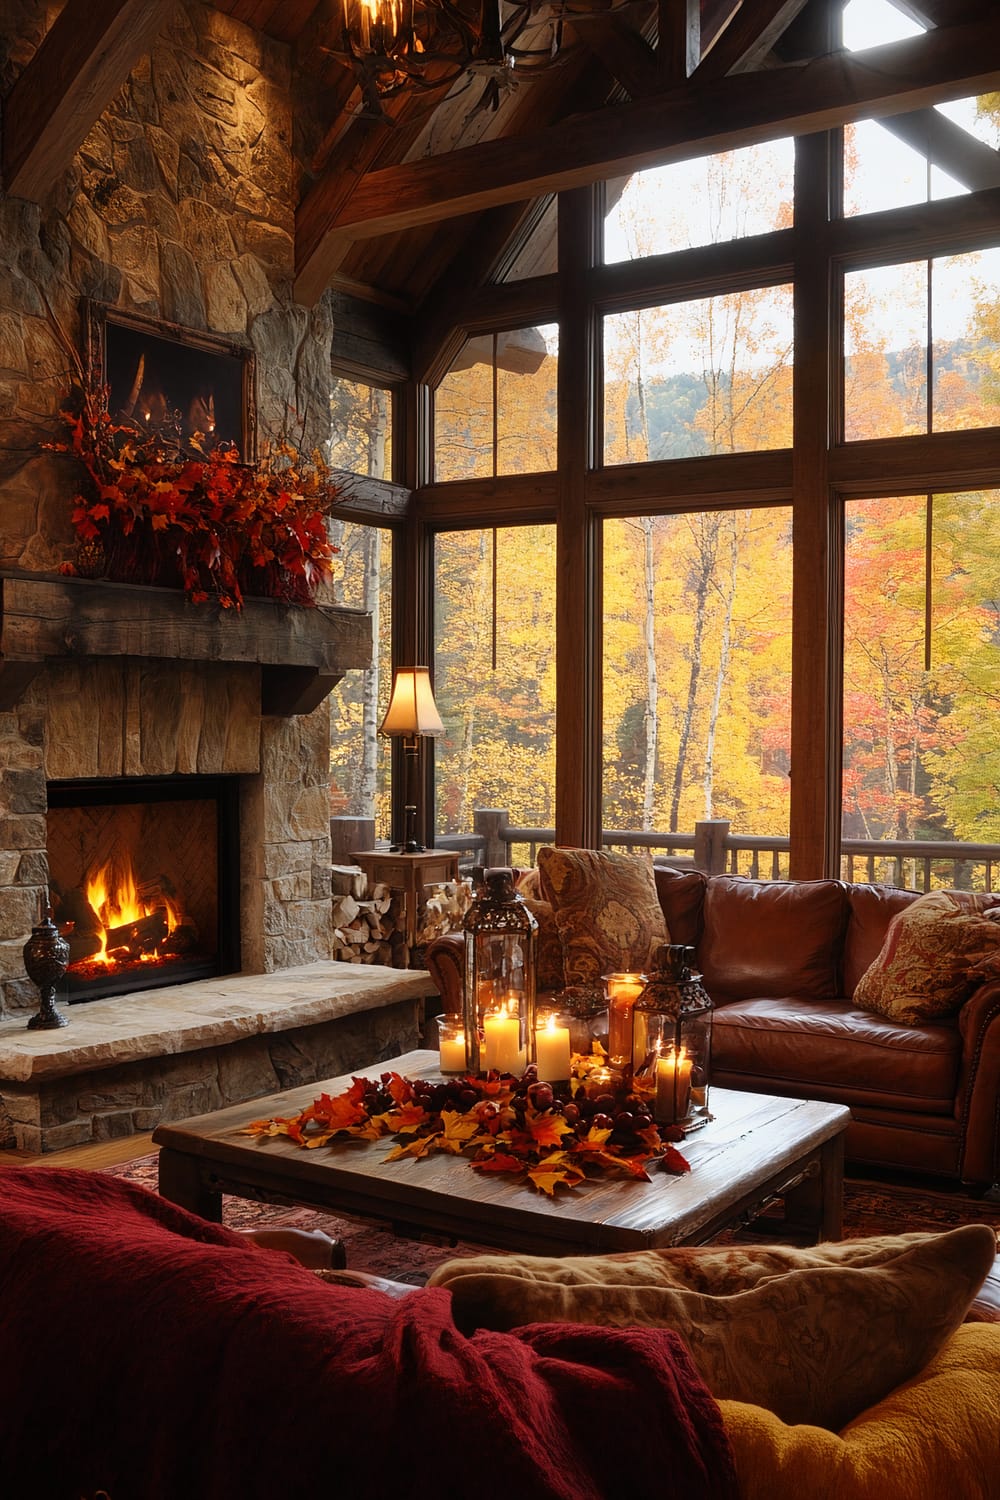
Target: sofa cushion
point(772, 937)
point(872, 908)
point(607, 910)
point(548, 946)
point(682, 896)
point(833, 1051)
point(815, 1344)
point(934, 953)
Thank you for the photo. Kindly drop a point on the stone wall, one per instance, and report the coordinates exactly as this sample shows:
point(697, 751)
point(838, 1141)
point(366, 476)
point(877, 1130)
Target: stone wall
point(179, 205)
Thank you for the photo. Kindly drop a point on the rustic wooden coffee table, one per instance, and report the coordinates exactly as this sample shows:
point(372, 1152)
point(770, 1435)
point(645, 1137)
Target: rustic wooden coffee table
point(758, 1149)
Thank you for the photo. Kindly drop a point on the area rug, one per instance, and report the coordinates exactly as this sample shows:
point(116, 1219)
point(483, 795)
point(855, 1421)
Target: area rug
point(869, 1208)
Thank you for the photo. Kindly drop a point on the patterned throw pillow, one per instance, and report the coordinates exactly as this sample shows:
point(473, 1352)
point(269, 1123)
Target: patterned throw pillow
point(935, 951)
point(815, 1343)
point(607, 910)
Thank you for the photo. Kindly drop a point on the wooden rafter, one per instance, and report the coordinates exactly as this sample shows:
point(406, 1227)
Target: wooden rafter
point(85, 59)
point(945, 144)
point(748, 38)
point(678, 51)
point(710, 117)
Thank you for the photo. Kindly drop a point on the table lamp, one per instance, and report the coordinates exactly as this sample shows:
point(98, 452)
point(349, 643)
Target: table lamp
point(412, 714)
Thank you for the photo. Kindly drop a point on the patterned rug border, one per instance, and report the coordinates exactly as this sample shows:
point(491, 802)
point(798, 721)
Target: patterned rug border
point(869, 1208)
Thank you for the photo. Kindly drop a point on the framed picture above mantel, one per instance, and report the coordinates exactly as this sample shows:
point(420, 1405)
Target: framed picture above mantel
point(172, 382)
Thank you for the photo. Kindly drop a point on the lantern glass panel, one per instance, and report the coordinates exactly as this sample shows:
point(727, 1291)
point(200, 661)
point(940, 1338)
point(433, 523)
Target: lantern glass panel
point(672, 1041)
point(499, 1009)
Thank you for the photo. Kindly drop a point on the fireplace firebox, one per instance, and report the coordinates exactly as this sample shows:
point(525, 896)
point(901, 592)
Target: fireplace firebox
point(145, 881)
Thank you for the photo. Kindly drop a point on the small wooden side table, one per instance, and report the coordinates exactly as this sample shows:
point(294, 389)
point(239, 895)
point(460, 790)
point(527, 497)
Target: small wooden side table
point(409, 873)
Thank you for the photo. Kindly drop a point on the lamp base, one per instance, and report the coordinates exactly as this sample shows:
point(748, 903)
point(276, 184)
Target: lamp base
point(410, 847)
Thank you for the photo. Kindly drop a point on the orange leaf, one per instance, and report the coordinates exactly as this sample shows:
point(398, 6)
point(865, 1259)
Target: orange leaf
point(500, 1161)
point(548, 1129)
point(547, 1179)
point(404, 1121)
point(421, 1146)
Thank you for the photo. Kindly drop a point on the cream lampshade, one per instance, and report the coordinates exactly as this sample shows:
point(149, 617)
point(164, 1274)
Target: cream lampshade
point(411, 716)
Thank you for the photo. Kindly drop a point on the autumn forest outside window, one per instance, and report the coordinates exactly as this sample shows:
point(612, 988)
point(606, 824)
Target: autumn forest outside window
point(361, 442)
point(921, 756)
point(494, 675)
point(697, 670)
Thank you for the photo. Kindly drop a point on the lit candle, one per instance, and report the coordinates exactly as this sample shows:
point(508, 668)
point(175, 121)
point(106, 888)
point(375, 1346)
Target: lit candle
point(673, 1087)
point(552, 1051)
point(502, 1049)
point(622, 990)
point(452, 1048)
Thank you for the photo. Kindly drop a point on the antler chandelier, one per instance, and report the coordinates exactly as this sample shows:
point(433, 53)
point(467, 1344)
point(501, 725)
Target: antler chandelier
point(395, 44)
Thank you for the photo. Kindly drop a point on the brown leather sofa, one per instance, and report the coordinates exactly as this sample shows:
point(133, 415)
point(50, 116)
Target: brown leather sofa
point(781, 960)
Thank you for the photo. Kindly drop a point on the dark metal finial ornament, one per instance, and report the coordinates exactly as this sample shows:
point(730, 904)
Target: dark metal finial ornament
point(46, 954)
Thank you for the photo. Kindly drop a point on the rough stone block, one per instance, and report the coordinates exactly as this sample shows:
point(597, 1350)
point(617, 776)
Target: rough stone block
point(112, 1125)
point(62, 1137)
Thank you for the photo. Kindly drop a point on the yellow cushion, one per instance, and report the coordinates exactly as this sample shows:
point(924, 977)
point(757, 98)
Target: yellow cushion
point(935, 951)
point(937, 1435)
point(607, 910)
point(815, 1343)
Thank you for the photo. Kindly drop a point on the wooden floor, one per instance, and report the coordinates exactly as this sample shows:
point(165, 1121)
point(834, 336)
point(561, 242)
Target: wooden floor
point(100, 1154)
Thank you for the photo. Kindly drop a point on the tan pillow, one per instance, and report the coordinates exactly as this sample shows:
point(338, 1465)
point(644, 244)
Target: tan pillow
point(607, 910)
point(815, 1343)
point(934, 953)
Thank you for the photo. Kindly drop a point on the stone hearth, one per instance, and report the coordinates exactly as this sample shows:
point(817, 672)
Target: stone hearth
point(122, 1066)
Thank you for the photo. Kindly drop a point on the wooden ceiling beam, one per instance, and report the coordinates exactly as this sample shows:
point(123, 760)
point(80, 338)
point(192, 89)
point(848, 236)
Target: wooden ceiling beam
point(748, 38)
point(85, 58)
point(678, 50)
point(625, 53)
point(946, 145)
point(693, 120)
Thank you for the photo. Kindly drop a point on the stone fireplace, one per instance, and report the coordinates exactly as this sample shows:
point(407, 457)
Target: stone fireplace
point(96, 742)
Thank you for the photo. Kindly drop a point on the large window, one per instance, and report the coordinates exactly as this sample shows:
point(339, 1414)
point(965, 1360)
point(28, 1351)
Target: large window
point(697, 671)
point(495, 410)
point(494, 675)
point(700, 202)
point(703, 377)
point(361, 437)
point(921, 683)
point(922, 346)
point(939, 151)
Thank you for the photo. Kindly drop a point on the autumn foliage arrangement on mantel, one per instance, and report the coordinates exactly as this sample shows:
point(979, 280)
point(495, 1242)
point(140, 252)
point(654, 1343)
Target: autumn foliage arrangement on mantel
point(196, 519)
point(517, 1127)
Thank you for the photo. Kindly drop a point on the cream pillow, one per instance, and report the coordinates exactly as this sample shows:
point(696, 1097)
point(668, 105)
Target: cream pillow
point(815, 1343)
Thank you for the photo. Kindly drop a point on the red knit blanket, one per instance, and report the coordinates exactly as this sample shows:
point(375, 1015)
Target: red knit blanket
point(152, 1356)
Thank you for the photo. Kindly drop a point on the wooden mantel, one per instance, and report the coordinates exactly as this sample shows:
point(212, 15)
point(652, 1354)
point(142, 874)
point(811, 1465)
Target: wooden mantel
point(303, 653)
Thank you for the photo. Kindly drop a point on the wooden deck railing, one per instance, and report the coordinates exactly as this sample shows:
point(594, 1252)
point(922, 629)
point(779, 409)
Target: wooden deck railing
point(910, 863)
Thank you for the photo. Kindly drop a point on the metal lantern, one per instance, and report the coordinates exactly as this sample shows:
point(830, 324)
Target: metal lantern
point(499, 1011)
point(672, 1040)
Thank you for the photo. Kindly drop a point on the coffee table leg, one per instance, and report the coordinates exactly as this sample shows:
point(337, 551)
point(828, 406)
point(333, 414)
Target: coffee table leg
point(181, 1183)
point(816, 1205)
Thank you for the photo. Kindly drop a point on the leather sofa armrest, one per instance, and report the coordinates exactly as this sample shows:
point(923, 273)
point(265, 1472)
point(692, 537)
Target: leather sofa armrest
point(445, 960)
point(978, 1101)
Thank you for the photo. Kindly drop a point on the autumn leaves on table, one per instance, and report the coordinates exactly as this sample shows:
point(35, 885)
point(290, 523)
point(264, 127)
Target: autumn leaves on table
point(548, 1136)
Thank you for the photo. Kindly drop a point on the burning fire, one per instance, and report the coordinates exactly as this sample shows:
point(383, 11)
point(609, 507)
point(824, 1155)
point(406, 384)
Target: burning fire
point(116, 899)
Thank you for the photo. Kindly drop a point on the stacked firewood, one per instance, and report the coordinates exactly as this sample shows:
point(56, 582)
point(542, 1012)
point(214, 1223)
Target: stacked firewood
point(369, 925)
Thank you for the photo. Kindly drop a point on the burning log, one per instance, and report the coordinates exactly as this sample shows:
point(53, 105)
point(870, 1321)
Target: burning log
point(141, 936)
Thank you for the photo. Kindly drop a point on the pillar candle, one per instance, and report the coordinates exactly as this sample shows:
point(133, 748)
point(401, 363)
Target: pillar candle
point(552, 1052)
point(502, 1049)
point(622, 990)
point(673, 1087)
point(453, 1053)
